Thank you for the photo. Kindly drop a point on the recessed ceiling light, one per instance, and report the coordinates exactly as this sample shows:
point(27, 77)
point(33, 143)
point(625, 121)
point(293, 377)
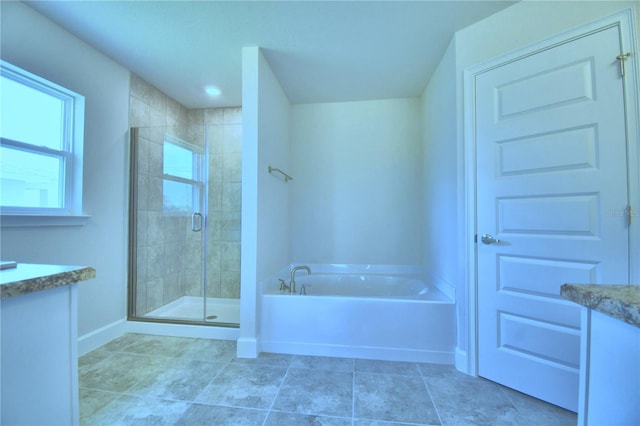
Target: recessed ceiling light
point(212, 91)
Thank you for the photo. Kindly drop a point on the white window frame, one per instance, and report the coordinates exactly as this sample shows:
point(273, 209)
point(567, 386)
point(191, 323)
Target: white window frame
point(71, 154)
point(198, 172)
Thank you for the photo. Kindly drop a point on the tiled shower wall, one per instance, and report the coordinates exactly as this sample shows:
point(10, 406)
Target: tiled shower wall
point(224, 132)
point(169, 253)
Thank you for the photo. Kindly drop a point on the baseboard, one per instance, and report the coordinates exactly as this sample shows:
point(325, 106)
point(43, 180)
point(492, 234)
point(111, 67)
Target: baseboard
point(101, 336)
point(362, 352)
point(247, 347)
point(462, 361)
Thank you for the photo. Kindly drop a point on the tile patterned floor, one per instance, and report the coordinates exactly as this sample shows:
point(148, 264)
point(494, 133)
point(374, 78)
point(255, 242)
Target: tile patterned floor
point(151, 380)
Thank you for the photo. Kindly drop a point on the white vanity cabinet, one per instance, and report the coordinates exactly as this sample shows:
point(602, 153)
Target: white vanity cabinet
point(39, 356)
point(612, 391)
point(610, 353)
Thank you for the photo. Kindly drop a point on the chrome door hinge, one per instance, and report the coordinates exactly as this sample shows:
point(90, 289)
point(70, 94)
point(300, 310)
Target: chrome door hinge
point(622, 58)
point(629, 214)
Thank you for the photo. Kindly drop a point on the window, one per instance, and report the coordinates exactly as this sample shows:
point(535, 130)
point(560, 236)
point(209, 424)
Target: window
point(182, 169)
point(41, 137)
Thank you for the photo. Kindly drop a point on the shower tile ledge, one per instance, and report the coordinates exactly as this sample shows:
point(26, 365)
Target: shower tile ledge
point(28, 278)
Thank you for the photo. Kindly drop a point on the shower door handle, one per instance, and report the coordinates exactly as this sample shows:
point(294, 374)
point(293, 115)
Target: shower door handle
point(196, 222)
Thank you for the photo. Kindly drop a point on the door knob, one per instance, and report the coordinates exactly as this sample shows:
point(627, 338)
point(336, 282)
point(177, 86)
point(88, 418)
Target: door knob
point(489, 239)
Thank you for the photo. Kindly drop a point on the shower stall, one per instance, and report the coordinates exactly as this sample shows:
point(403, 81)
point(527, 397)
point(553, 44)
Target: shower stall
point(185, 214)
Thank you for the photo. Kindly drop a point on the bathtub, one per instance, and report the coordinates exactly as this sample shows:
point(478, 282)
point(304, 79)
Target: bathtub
point(354, 311)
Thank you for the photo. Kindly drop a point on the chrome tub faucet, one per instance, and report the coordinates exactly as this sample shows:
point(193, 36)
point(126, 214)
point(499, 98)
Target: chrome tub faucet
point(292, 284)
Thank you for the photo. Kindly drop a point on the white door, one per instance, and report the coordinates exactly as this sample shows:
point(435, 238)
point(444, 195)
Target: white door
point(552, 187)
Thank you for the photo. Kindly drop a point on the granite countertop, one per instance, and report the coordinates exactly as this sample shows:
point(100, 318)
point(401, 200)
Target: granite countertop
point(28, 278)
point(618, 301)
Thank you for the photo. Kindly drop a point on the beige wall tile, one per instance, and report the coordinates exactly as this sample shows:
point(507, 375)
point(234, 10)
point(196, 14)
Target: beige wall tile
point(155, 294)
point(231, 197)
point(213, 116)
point(143, 191)
point(141, 298)
point(155, 194)
point(138, 113)
point(233, 115)
point(142, 228)
point(191, 282)
point(171, 288)
point(231, 227)
point(215, 137)
point(157, 117)
point(232, 138)
point(230, 256)
point(232, 167)
point(230, 285)
point(158, 100)
point(195, 117)
point(216, 167)
point(139, 88)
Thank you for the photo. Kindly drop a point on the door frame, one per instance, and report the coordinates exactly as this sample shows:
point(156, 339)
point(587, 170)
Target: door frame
point(625, 20)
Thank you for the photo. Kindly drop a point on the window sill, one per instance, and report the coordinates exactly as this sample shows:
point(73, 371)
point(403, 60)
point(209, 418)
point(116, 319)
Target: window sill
point(12, 221)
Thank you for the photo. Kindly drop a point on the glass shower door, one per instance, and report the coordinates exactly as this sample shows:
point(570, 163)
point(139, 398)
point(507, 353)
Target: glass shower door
point(185, 220)
point(168, 199)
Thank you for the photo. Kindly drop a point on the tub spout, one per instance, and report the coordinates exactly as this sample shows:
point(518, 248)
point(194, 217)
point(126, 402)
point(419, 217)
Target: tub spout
point(292, 284)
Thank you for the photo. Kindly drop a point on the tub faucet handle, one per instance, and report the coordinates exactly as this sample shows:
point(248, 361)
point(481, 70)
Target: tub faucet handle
point(283, 285)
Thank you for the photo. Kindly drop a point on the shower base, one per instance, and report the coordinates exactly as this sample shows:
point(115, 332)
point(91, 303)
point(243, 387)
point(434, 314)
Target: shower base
point(190, 308)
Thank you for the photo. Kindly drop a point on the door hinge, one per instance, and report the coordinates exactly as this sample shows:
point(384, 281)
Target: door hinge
point(622, 58)
point(629, 214)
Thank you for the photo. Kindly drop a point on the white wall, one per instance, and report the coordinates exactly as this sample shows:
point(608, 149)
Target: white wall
point(273, 192)
point(522, 24)
point(357, 191)
point(442, 213)
point(265, 198)
point(525, 23)
point(36, 44)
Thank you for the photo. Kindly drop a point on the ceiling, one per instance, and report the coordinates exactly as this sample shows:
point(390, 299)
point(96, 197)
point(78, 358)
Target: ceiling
point(320, 51)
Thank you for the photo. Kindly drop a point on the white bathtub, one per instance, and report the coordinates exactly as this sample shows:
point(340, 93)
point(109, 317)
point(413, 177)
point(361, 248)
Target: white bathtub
point(374, 312)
